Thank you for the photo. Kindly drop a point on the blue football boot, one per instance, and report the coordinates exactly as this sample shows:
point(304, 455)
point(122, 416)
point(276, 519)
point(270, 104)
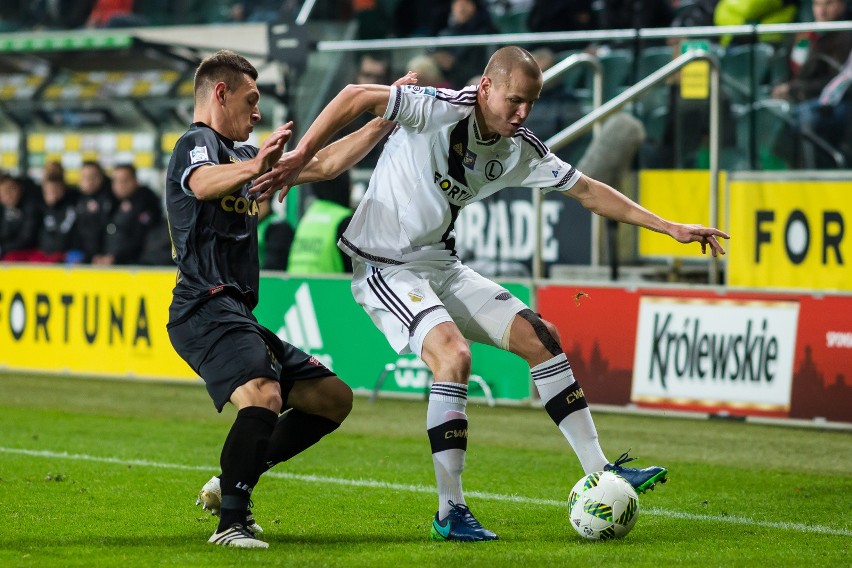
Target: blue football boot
point(460, 525)
point(640, 479)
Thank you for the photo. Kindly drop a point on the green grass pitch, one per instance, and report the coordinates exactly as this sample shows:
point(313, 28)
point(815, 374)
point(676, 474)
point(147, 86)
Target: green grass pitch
point(104, 473)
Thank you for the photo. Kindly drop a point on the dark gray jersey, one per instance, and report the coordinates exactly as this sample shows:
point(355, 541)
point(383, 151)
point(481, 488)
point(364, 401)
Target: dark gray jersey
point(214, 241)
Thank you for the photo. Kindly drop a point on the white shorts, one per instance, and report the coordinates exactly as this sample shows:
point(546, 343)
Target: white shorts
point(407, 301)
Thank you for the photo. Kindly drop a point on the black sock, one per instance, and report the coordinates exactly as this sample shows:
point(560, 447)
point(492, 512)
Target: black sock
point(242, 461)
point(295, 432)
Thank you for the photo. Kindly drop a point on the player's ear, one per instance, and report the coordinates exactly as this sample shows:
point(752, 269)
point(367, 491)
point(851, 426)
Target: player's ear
point(220, 92)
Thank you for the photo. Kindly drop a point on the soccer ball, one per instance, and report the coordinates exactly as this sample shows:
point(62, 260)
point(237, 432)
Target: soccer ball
point(603, 505)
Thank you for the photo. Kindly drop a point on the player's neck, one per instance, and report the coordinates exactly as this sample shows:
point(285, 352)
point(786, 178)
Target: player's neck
point(484, 132)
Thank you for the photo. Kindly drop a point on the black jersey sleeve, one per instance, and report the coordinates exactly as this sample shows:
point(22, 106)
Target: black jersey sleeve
point(198, 147)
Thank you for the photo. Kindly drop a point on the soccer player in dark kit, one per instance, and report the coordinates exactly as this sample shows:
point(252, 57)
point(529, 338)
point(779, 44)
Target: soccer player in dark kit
point(286, 400)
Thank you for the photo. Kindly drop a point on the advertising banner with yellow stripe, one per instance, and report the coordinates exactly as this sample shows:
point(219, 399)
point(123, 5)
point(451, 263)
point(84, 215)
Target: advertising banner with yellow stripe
point(791, 233)
point(112, 322)
point(677, 195)
point(88, 321)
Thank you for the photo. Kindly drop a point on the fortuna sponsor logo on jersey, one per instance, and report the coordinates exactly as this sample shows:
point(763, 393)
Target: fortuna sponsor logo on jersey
point(301, 328)
point(455, 193)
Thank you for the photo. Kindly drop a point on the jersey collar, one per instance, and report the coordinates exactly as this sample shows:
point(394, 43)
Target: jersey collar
point(479, 140)
point(225, 140)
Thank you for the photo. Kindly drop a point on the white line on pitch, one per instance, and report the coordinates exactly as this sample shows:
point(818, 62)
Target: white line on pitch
point(371, 483)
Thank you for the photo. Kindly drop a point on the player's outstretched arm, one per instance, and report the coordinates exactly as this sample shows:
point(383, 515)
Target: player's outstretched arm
point(351, 102)
point(214, 181)
point(602, 199)
point(343, 154)
point(339, 156)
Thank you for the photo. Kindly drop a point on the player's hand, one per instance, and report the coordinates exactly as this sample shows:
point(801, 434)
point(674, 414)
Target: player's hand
point(408, 79)
point(282, 175)
point(273, 147)
point(269, 157)
point(706, 236)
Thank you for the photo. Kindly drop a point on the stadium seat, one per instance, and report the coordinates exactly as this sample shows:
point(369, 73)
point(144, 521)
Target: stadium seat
point(652, 58)
point(511, 22)
point(745, 71)
point(617, 66)
point(766, 121)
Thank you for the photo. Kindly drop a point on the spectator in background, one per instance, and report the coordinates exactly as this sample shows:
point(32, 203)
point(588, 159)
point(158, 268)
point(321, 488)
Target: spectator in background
point(137, 210)
point(53, 169)
point(420, 18)
point(565, 16)
point(739, 12)
point(816, 58)
point(54, 14)
point(373, 17)
point(458, 64)
point(56, 234)
point(94, 210)
point(836, 102)
point(373, 68)
point(255, 11)
point(20, 218)
point(428, 72)
point(315, 249)
point(114, 14)
point(633, 14)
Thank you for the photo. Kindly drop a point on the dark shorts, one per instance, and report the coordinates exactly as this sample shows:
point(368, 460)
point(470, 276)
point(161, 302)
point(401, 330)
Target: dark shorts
point(224, 343)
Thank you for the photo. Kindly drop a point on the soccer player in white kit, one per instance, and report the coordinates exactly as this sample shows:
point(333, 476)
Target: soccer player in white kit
point(452, 148)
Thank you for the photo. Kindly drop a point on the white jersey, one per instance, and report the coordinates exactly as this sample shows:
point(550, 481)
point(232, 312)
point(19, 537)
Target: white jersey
point(435, 163)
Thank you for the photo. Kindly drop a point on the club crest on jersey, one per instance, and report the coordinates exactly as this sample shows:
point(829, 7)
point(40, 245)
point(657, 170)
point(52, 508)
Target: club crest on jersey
point(418, 90)
point(469, 160)
point(198, 154)
point(493, 170)
point(416, 295)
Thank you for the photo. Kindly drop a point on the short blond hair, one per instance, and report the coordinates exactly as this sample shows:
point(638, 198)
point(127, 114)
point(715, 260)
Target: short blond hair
point(507, 59)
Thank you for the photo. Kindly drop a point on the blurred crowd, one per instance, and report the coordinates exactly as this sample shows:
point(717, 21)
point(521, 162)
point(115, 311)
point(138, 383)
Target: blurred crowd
point(78, 14)
point(104, 221)
point(114, 220)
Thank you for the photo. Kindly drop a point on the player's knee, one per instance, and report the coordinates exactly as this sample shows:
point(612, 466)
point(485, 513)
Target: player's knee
point(553, 330)
point(536, 342)
point(344, 400)
point(337, 399)
point(271, 400)
point(261, 392)
point(455, 360)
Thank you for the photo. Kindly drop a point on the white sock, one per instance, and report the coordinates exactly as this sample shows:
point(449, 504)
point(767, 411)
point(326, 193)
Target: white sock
point(552, 378)
point(447, 424)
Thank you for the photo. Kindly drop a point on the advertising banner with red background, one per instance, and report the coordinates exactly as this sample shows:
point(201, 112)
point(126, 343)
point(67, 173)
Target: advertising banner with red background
point(600, 331)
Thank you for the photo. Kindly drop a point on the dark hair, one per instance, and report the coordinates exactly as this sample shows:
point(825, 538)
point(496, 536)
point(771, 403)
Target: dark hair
point(126, 166)
point(54, 177)
point(94, 164)
point(225, 66)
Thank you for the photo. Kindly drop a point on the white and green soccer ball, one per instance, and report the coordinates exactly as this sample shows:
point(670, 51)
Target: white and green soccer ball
point(603, 505)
